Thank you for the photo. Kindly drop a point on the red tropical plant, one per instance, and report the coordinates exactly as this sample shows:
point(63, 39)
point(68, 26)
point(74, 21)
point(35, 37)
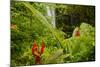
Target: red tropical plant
point(76, 32)
point(36, 51)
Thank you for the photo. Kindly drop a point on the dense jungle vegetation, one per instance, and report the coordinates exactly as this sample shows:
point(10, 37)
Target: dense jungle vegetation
point(30, 21)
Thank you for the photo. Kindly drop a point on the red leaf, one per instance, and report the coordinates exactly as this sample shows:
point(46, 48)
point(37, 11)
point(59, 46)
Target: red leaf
point(78, 33)
point(34, 47)
point(42, 48)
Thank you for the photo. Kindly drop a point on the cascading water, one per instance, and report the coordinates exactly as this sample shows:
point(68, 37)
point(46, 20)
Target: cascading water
point(51, 13)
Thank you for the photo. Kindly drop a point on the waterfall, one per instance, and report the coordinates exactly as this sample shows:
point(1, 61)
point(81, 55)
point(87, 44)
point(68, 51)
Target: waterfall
point(51, 13)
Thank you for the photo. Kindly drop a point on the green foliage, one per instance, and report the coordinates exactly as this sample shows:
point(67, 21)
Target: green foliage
point(32, 24)
point(83, 46)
